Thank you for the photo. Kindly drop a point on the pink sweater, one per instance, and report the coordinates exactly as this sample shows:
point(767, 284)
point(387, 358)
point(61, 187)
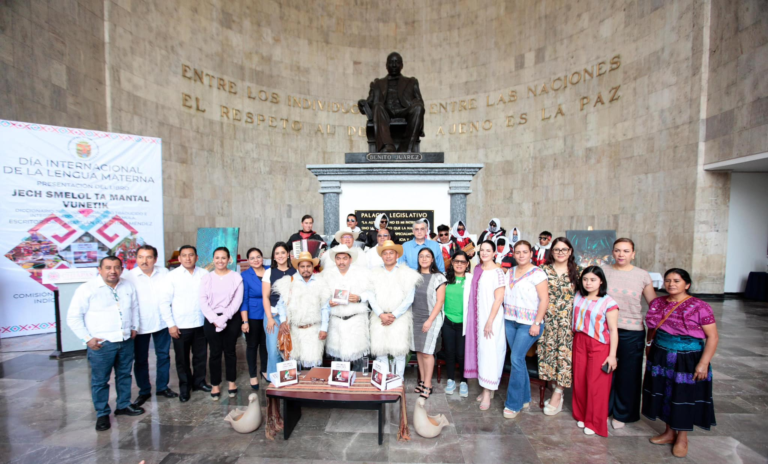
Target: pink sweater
point(221, 295)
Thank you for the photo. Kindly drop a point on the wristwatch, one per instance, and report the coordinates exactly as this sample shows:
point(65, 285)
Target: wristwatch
point(536, 323)
point(245, 322)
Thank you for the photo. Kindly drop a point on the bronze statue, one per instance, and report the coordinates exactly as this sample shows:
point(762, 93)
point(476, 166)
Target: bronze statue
point(394, 97)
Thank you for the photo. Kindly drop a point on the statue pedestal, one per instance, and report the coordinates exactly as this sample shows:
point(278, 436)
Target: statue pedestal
point(418, 187)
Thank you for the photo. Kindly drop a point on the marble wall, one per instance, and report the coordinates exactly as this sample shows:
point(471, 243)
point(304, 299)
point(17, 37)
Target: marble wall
point(619, 147)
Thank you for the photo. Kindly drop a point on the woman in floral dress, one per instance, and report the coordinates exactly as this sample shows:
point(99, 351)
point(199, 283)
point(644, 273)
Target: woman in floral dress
point(555, 346)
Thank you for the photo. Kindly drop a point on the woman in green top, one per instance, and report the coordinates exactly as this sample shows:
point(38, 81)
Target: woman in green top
point(455, 308)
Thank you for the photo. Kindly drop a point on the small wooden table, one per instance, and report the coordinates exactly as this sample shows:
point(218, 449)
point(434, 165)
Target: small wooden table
point(293, 401)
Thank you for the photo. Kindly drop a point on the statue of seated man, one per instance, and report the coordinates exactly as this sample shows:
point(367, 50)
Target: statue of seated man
point(395, 96)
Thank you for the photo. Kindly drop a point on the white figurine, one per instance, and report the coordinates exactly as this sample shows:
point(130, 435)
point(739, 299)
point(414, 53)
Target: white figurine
point(246, 421)
point(427, 426)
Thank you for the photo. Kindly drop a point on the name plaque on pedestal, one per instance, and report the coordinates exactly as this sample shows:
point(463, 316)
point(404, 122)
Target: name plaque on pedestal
point(361, 158)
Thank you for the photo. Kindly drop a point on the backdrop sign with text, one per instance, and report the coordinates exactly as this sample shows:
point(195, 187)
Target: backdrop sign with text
point(70, 197)
point(400, 221)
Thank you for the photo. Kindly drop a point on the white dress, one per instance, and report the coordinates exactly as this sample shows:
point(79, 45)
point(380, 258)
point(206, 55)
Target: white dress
point(491, 352)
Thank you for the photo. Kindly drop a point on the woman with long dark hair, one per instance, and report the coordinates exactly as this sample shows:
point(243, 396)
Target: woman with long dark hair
point(221, 295)
point(595, 340)
point(455, 309)
point(252, 312)
point(485, 345)
point(279, 268)
point(556, 344)
point(427, 318)
point(682, 337)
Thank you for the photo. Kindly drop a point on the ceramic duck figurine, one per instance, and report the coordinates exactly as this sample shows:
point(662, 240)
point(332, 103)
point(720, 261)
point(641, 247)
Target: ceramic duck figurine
point(427, 426)
point(246, 421)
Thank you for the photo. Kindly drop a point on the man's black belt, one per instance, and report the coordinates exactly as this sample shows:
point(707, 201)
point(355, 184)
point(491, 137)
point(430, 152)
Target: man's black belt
point(344, 318)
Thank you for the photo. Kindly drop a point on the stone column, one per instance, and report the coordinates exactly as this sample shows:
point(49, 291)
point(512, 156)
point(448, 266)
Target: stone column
point(331, 189)
point(458, 190)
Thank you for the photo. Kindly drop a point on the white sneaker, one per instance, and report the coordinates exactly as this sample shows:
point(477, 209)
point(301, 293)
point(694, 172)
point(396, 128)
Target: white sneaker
point(580, 424)
point(588, 431)
point(450, 387)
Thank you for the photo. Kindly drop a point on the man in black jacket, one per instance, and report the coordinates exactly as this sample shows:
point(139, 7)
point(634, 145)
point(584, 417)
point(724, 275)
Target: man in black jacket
point(306, 232)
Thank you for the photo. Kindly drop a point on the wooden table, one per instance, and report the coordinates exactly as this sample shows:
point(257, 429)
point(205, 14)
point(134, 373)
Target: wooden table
point(294, 400)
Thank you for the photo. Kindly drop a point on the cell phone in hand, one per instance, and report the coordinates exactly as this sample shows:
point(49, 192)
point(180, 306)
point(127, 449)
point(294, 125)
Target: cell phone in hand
point(606, 368)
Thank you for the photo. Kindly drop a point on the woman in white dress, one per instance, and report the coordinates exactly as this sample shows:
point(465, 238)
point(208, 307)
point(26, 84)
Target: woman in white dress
point(486, 344)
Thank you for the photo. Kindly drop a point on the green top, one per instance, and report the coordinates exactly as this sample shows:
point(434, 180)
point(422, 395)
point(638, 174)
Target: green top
point(454, 301)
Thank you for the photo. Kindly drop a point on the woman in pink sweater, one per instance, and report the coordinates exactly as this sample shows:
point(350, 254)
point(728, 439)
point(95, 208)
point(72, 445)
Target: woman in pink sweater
point(221, 294)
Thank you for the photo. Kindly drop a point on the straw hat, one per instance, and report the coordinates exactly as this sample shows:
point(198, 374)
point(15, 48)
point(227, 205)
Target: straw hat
point(345, 231)
point(304, 256)
point(390, 245)
point(344, 250)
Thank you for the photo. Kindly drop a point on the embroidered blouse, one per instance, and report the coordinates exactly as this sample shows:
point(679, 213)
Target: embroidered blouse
point(590, 316)
point(686, 320)
point(521, 301)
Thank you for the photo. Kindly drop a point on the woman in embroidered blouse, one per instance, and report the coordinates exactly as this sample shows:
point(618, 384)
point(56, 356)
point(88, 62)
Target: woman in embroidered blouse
point(252, 312)
point(484, 344)
point(684, 344)
point(595, 341)
point(221, 295)
point(525, 304)
point(556, 344)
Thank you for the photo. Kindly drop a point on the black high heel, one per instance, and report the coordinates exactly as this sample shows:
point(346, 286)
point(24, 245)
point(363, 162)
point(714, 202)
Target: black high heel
point(215, 396)
point(428, 391)
point(420, 387)
point(233, 392)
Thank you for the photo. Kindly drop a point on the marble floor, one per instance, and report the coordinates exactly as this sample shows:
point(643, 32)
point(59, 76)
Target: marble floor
point(46, 416)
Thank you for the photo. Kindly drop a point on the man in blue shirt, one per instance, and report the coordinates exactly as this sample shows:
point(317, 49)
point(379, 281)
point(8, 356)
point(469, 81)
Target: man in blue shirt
point(411, 248)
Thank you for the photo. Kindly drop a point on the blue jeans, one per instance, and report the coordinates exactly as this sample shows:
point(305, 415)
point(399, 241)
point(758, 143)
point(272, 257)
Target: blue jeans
point(520, 341)
point(162, 340)
point(111, 355)
point(273, 354)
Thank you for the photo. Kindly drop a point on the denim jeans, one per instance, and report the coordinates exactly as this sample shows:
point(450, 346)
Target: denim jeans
point(273, 354)
point(111, 355)
point(520, 341)
point(162, 340)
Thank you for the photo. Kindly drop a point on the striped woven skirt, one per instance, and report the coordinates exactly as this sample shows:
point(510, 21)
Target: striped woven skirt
point(669, 391)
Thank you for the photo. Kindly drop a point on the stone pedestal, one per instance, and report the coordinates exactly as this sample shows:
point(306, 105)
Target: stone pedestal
point(332, 178)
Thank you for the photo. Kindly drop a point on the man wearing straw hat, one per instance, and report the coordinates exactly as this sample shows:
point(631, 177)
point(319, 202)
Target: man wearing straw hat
point(303, 305)
point(348, 237)
point(394, 287)
point(348, 331)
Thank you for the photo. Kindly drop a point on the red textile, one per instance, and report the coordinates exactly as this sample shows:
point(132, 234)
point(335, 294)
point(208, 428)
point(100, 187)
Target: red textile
point(591, 386)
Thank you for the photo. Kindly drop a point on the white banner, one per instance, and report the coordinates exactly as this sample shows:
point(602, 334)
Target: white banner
point(69, 197)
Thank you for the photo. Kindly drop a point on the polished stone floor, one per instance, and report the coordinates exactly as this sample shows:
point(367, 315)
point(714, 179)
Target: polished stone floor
point(46, 416)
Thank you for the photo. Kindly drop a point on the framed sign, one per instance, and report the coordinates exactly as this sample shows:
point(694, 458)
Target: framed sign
point(400, 221)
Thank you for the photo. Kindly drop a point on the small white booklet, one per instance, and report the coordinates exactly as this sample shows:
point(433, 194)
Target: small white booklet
point(341, 375)
point(287, 374)
point(382, 379)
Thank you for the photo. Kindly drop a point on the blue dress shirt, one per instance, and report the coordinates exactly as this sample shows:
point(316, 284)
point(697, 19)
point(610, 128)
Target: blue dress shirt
point(411, 254)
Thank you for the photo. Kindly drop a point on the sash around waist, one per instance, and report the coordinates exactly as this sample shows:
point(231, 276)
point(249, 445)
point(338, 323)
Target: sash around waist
point(678, 342)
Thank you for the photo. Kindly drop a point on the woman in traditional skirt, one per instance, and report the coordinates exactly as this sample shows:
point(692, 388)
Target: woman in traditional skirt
point(427, 318)
point(678, 377)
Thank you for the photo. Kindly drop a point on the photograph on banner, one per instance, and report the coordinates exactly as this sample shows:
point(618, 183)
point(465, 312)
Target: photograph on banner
point(592, 247)
point(72, 197)
point(210, 238)
point(400, 221)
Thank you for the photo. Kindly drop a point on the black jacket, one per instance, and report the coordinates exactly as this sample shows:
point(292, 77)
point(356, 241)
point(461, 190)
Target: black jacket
point(372, 241)
point(297, 236)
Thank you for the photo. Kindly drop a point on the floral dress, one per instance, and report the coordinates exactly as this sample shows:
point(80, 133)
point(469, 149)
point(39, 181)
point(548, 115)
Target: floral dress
point(556, 343)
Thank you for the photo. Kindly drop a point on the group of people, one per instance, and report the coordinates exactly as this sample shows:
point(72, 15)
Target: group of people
point(385, 300)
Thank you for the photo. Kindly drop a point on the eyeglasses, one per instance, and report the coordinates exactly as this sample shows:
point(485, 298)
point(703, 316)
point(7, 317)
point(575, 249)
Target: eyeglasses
point(383, 236)
point(351, 220)
point(543, 238)
point(443, 234)
point(560, 251)
point(462, 262)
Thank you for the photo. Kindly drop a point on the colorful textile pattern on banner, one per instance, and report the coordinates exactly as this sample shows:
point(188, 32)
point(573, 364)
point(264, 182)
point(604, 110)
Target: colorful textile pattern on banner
point(70, 197)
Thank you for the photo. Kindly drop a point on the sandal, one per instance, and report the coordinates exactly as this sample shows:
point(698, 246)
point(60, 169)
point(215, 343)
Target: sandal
point(428, 391)
point(420, 387)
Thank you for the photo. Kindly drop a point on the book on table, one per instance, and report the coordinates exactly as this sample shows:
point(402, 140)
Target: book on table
point(287, 374)
point(341, 374)
point(382, 379)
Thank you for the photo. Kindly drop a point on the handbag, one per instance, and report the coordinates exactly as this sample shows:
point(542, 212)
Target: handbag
point(284, 342)
point(652, 332)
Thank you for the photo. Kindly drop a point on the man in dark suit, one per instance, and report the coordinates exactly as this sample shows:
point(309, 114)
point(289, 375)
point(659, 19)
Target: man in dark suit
point(395, 96)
